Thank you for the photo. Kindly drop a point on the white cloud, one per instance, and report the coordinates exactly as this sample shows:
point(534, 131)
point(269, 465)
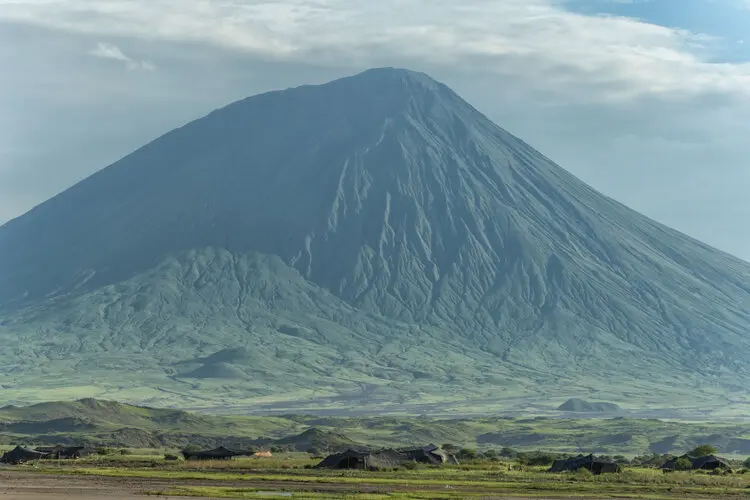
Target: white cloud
point(638, 110)
point(113, 52)
point(559, 47)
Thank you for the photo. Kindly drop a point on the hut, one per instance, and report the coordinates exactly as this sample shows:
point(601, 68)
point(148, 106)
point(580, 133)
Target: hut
point(20, 454)
point(430, 454)
point(219, 453)
point(708, 462)
point(65, 452)
point(351, 459)
point(595, 465)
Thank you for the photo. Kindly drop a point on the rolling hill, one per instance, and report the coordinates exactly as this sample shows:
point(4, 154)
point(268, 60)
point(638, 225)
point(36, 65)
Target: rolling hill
point(374, 243)
point(113, 424)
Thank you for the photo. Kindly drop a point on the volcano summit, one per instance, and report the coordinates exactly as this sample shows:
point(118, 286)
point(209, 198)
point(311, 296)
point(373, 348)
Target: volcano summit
point(370, 241)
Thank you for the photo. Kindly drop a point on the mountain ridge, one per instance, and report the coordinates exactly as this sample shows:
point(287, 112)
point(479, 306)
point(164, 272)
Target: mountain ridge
point(406, 242)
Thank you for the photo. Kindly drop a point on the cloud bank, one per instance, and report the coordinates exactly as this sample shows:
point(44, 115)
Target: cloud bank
point(624, 55)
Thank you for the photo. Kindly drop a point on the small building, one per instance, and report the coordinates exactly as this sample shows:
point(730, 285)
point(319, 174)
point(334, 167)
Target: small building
point(20, 454)
point(351, 459)
point(708, 462)
point(220, 453)
point(65, 452)
point(594, 465)
point(430, 454)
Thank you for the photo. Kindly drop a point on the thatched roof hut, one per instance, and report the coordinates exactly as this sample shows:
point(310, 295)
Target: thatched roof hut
point(219, 453)
point(589, 462)
point(351, 459)
point(430, 454)
point(19, 455)
point(65, 452)
point(708, 462)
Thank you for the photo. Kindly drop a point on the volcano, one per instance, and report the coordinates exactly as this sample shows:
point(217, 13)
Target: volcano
point(374, 240)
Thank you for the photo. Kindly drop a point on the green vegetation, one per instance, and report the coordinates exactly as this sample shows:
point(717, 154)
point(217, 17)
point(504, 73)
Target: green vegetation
point(703, 450)
point(244, 478)
point(683, 464)
point(116, 425)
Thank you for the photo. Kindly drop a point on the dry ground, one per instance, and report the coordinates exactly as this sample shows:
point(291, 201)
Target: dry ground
point(24, 485)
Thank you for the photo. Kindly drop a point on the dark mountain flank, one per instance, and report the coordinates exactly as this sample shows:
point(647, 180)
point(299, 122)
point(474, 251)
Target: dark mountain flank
point(374, 239)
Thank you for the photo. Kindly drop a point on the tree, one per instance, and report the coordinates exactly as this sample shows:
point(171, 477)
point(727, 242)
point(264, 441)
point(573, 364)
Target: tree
point(467, 454)
point(702, 451)
point(746, 463)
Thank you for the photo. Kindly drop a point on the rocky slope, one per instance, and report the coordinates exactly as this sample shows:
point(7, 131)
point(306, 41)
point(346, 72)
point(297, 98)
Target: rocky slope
point(375, 238)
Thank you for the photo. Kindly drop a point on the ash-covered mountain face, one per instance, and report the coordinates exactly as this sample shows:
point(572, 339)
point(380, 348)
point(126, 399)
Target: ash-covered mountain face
point(376, 210)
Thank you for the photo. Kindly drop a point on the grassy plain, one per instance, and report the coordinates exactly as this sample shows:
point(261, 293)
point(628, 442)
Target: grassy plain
point(291, 475)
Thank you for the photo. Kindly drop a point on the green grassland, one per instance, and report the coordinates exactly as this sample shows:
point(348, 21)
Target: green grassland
point(105, 423)
point(292, 474)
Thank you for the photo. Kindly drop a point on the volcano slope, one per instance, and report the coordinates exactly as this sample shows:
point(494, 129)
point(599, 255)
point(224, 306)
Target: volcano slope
point(371, 241)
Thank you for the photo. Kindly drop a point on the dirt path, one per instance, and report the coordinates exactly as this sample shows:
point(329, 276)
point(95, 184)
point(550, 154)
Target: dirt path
point(24, 485)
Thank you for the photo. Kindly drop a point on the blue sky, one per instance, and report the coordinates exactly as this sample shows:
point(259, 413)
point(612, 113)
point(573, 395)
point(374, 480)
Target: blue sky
point(648, 101)
point(726, 20)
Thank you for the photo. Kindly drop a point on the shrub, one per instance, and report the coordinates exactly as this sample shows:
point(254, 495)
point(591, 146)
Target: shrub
point(409, 465)
point(467, 454)
point(652, 460)
point(583, 473)
point(683, 464)
point(746, 463)
point(125, 451)
point(539, 459)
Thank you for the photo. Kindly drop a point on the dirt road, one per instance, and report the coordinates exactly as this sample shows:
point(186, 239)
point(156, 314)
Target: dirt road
point(24, 485)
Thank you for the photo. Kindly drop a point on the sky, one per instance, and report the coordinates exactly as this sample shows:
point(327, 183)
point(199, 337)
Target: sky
point(646, 100)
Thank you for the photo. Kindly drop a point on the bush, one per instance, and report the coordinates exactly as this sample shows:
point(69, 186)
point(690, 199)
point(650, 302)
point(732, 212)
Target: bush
point(125, 451)
point(583, 473)
point(105, 451)
point(508, 452)
point(683, 464)
point(467, 454)
point(653, 460)
point(409, 465)
point(536, 458)
point(539, 459)
point(746, 463)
